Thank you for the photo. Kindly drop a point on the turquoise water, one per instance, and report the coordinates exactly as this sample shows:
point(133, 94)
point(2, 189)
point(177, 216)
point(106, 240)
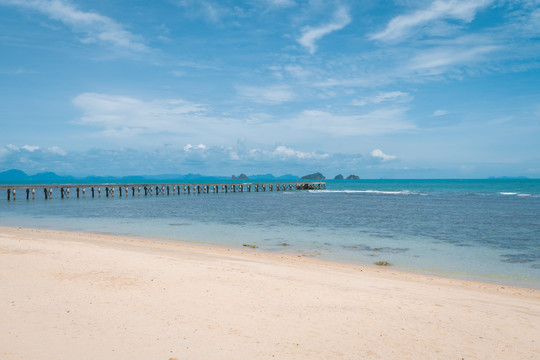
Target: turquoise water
point(473, 229)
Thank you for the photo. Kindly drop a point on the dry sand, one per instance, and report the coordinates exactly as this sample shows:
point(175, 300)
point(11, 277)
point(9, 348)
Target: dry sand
point(84, 296)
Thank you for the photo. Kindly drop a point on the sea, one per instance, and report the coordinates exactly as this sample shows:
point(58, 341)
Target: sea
point(486, 230)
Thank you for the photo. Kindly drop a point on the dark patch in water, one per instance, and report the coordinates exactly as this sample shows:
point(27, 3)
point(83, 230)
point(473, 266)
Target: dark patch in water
point(518, 258)
point(377, 249)
point(236, 222)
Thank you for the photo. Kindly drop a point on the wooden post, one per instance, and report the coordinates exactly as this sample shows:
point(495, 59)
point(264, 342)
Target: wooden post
point(62, 193)
point(77, 193)
point(8, 194)
point(92, 191)
point(45, 191)
point(27, 194)
point(120, 191)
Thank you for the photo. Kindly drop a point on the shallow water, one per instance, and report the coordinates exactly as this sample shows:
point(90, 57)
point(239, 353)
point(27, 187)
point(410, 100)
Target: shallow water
point(473, 229)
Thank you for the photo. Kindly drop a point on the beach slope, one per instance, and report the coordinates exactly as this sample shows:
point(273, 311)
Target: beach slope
point(84, 296)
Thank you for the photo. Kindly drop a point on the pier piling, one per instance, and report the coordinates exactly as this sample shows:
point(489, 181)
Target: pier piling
point(163, 189)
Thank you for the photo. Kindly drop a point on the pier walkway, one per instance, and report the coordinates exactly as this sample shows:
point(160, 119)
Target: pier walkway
point(110, 190)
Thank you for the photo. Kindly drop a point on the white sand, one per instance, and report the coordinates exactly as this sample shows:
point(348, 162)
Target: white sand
point(81, 296)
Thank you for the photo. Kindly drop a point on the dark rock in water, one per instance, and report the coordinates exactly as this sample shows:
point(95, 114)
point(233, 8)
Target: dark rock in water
point(339, 177)
point(240, 177)
point(314, 176)
point(353, 177)
point(382, 263)
point(306, 187)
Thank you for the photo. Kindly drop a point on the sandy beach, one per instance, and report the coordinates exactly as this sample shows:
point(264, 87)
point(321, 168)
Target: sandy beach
point(84, 296)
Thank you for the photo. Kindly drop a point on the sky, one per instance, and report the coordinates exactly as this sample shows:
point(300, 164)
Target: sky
point(381, 89)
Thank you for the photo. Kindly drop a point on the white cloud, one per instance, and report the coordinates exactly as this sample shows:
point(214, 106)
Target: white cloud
point(94, 27)
point(402, 25)
point(440, 112)
point(395, 96)
point(378, 154)
point(122, 112)
point(211, 11)
point(267, 95)
point(377, 122)
point(190, 147)
point(436, 60)
point(282, 151)
point(280, 3)
point(30, 148)
point(310, 35)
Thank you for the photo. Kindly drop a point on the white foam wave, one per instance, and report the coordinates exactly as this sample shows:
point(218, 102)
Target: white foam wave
point(386, 192)
point(516, 194)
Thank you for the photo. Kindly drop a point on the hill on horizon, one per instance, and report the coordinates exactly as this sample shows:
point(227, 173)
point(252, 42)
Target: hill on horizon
point(15, 176)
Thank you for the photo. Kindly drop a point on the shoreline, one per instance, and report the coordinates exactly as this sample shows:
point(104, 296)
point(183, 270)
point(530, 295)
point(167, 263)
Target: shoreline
point(424, 271)
point(86, 295)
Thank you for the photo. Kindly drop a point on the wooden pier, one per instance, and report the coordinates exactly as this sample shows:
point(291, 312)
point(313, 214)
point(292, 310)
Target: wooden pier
point(124, 190)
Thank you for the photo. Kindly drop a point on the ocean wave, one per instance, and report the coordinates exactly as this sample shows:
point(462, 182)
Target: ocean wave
point(385, 192)
point(516, 194)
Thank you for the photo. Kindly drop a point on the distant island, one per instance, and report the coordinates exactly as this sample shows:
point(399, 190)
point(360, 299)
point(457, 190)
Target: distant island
point(508, 178)
point(240, 177)
point(350, 177)
point(15, 176)
point(314, 176)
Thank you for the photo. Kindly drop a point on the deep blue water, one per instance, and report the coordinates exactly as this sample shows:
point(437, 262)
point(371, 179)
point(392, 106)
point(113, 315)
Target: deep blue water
point(480, 229)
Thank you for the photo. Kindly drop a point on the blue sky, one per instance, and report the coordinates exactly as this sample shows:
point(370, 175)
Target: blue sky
point(396, 89)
